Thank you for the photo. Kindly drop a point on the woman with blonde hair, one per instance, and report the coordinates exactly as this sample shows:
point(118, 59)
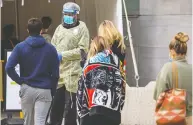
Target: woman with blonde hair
point(164, 82)
point(113, 37)
point(97, 46)
point(100, 96)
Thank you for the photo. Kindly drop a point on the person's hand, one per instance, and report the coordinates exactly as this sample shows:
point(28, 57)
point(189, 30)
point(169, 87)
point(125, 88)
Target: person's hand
point(82, 62)
point(83, 58)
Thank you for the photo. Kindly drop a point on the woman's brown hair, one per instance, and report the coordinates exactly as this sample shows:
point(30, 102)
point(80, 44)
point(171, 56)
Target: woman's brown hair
point(179, 43)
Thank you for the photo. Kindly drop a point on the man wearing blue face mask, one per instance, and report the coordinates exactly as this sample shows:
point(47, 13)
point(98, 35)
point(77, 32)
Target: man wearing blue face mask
point(69, 39)
point(70, 15)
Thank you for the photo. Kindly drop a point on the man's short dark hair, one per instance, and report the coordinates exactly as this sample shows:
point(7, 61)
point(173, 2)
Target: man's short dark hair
point(34, 26)
point(46, 21)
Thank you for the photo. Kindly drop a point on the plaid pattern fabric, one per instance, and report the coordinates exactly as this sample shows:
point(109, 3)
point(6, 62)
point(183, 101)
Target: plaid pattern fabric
point(171, 104)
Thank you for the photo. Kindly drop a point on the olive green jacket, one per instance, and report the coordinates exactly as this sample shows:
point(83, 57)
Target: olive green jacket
point(68, 43)
point(164, 78)
point(47, 37)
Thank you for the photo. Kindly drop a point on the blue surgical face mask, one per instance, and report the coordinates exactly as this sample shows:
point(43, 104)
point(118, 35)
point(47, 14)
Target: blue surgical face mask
point(170, 59)
point(68, 19)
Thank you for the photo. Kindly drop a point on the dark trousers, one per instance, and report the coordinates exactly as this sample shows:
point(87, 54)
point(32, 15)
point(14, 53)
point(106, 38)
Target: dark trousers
point(70, 113)
point(97, 120)
point(64, 106)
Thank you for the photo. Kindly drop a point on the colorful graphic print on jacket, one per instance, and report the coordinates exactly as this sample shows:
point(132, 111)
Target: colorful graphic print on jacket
point(100, 85)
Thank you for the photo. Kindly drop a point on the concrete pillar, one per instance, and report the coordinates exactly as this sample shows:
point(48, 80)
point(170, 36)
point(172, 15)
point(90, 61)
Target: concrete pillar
point(93, 12)
point(152, 31)
point(88, 15)
point(109, 10)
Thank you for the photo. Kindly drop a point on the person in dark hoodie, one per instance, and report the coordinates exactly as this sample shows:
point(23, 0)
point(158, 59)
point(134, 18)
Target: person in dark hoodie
point(39, 73)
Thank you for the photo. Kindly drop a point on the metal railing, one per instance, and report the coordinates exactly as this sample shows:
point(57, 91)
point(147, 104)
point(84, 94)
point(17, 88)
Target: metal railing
point(131, 44)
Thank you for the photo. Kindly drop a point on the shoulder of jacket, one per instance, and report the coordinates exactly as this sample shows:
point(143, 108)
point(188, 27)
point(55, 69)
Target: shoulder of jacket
point(50, 46)
point(59, 27)
point(21, 44)
point(167, 65)
point(82, 25)
point(166, 69)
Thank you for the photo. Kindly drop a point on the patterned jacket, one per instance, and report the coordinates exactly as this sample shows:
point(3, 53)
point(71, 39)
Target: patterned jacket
point(100, 89)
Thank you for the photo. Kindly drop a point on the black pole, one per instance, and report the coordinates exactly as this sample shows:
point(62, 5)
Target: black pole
point(17, 18)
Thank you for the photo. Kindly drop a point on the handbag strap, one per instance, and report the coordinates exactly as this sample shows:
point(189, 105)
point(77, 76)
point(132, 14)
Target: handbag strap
point(174, 75)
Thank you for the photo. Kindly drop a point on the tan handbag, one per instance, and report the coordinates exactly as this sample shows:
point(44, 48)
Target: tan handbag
point(189, 120)
point(171, 104)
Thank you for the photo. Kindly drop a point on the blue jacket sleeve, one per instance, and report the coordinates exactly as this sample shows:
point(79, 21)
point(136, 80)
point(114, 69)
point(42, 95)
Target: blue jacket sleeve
point(55, 70)
point(10, 66)
point(59, 57)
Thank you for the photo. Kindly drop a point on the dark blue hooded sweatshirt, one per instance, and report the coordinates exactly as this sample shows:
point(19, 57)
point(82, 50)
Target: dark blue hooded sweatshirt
point(39, 63)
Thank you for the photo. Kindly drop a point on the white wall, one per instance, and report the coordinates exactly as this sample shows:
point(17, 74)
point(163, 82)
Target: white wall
point(109, 10)
point(152, 31)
